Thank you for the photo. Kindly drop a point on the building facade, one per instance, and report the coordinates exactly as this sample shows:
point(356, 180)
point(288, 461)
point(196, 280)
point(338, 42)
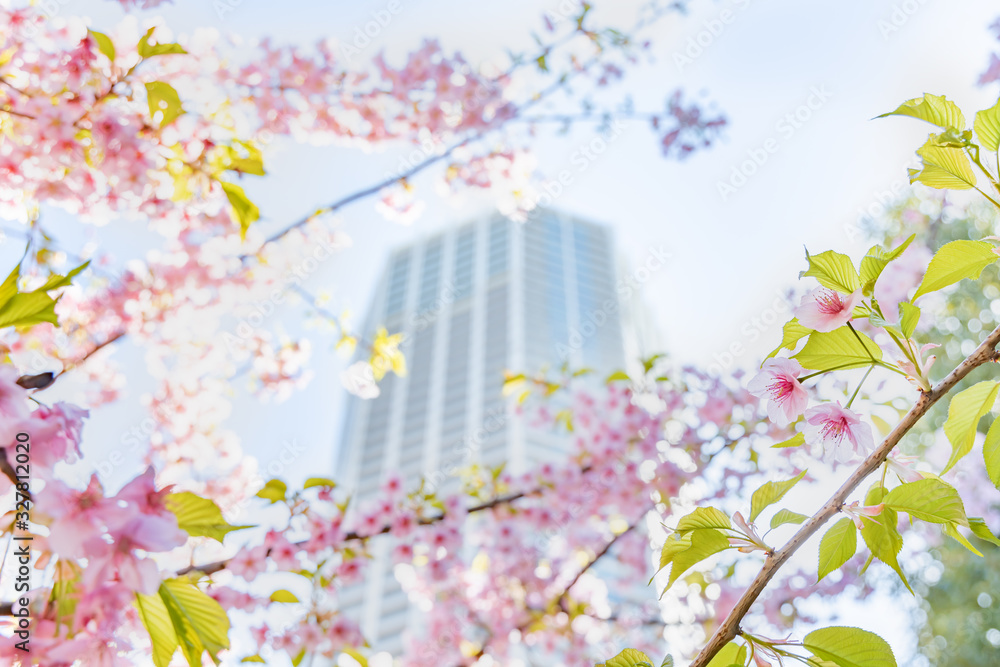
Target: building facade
point(473, 301)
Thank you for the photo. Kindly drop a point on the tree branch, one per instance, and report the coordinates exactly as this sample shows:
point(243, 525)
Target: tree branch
point(731, 627)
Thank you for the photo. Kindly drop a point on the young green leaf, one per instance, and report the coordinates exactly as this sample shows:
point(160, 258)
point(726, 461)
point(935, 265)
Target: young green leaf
point(935, 109)
point(703, 518)
point(104, 44)
point(964, 412)
point(703, 543)
point(781, 517)
point(837, 546)
point(838, 349)
point(163, 99)
point(987, 126)
point(850, 647)
point(274, 491)
point(730, 654)
point(795, 441)
point(991, 453)
point(199, 621)
point(628, 658)
point(319, 481)
point(951, 530)
point(155, 618)
point(147, 50)
point(982, 531)
point(770, 493)
point(955, 261)
point(244, 211)
point(881, 535)
point(928, 499)
point(833, 270)
point(617, 375)
point(282, 595)
point(944, 167)
point(875, 262)
point(791, 334)
point(909, 315)
point(199, 517)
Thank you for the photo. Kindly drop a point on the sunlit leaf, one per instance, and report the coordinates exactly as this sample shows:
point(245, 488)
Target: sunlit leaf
point(837, 546)
point(934, 109)
point(833, 270)
point(850, 647)
point(964, 412)
point(955, 261)
point(770, 493)
point(838, 349)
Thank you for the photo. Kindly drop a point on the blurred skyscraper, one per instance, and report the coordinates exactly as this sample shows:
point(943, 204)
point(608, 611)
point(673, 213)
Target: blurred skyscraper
point(473, 301)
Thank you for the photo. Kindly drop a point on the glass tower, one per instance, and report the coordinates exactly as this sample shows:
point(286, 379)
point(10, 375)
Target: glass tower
point(471, 302)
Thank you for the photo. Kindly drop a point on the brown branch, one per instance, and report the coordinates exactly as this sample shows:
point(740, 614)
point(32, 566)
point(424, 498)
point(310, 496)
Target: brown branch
point(731, 627)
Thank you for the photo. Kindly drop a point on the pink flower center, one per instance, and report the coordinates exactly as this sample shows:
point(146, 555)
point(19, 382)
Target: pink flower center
point(835, 429)
point(781, 387)
point(829, 302)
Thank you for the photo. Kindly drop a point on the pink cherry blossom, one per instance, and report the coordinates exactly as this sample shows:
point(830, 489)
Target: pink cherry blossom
point(838, 431)
point(824, 309)
point(778, 383)
point(855, 511)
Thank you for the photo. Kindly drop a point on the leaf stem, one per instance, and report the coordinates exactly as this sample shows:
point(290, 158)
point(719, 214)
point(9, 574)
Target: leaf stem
point(860, 384)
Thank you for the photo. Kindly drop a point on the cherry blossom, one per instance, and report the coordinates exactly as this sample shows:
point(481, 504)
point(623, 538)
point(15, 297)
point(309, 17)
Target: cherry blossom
point(838, 432)
point(824, 309)
point(778, 383)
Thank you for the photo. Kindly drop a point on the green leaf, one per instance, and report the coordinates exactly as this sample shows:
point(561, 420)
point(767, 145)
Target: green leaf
point(795, 441)
point(104, 44)
point(770, 493)
point(282, 595)
point(147, 50)
point(693, 548)
point(837, 546)
point(360, 659)
point(630, 658)
point(163, 99)
point(935, 109)
point(730, 654)
point(928, 499)
point(9, 287)
point(274, 491)
point(944, 166)
point(982, 531)
point(199, 621)
point(668, 661)
point(850, 647)
point(617, 375)
point(964, 412)
point(27, 309)
point(791, 334)
point(955, 261)
point(833, 270)
point(297, 660)
point(155, 618)
point(909, 316)
point(875, 262)
point(244, 211)
point(991, 453)
point(951, 530)
point(782, 517)
point(703, 518)
point(649, 362)
point(319, 481)
point(987, 126)
point(254, 658)
point(839, 349)
point(199, 517)
point(881, 535)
